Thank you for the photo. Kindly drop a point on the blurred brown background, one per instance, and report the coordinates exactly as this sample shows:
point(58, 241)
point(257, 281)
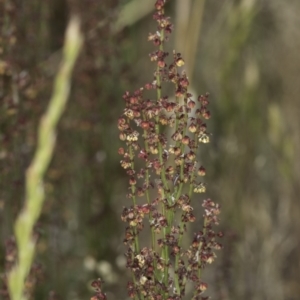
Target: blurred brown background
point(245, 53)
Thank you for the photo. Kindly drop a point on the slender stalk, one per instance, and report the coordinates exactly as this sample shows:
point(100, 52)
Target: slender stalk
point(34, 175)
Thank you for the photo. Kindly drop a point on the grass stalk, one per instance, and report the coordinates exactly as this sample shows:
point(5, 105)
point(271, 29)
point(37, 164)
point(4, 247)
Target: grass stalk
point(34, 175)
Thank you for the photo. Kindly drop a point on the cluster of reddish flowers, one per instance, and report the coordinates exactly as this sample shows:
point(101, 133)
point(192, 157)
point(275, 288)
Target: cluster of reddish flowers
point(162, 136)
point(97, 285)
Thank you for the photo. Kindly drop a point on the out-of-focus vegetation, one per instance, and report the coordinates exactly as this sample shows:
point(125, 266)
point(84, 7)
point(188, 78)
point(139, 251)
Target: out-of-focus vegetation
point(34, 190)
point(246, 56)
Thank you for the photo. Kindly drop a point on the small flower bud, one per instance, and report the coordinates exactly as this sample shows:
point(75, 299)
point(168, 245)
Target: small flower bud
point(161, 64)
point(201, 171)
point(200, 188)
point(157, 41)
point(179, 62)
point(148, 86)
point(217, 246)
point(134, 100)
point(132, 181)
point(186, 208)
point(163, 120)
point(151, 36)
point(129, 113)
point(130, 215)
point(145, 125)
point(185, 140)
point(140, 192)
point(159, 5)
point(170, 106)
point(184, 82)
point(133, 223)
point(150, 113)
point(143, 280)
point(179, 92)
point(130, 172)
point(176, 249)
point(141, 260)
point(125, 164)
point(210, 259)
point(145, 209)
point(122, 136)
point(132, 137)
point(185, 178)
point(136, 114)
point(191, 155)
point(170, 170)
point(177, 136)
point(191, 104)
point(121, 151)
point(206, 115)
point(204, 138)
point(192, 128)
point(202, 128)
point(220, 234)
point(153, 56)
point(153, 149)
point(177, 151)
point(203, 286)
point(178, 161)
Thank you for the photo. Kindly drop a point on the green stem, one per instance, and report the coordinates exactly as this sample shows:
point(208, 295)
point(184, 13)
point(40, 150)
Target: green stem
point(200, 248)
point(153, 236)
point(34, 175)
point(131, 156)
point(182, 147)
point(166, 191)
point(133, 190)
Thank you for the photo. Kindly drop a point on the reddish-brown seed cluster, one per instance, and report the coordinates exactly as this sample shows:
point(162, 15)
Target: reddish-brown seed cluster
point(204, 243)
point(97, 285)
point(162, 136)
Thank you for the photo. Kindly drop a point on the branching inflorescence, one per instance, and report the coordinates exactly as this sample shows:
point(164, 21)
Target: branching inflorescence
point(163, 136)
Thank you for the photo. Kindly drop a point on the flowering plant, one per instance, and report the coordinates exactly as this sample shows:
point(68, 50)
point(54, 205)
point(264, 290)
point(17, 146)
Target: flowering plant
point(162, 137)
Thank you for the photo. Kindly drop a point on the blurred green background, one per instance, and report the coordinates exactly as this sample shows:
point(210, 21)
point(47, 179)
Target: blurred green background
point(245, 53)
